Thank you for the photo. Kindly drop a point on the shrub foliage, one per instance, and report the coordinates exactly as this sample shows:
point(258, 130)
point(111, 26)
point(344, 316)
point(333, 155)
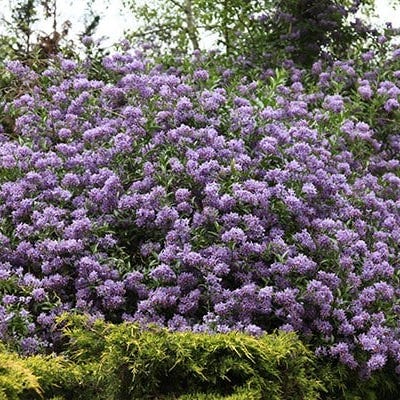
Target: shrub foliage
point(105, 361)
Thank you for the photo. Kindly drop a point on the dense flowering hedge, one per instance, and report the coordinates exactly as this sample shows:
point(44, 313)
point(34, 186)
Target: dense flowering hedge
point(204, 201)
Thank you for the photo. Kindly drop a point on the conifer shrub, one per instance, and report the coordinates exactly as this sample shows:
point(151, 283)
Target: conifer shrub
point(107, 361)
point(138, 364)
point(16, 378)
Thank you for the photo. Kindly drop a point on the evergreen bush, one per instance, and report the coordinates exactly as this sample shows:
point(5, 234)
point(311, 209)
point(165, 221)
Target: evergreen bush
point(105, 361)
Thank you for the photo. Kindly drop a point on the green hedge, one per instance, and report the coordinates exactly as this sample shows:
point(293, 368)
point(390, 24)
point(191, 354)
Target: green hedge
point(102, 361)
point(16, 378)
point(105, 361)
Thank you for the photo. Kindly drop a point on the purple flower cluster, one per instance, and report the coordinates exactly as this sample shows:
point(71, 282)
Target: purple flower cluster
point(151, 196)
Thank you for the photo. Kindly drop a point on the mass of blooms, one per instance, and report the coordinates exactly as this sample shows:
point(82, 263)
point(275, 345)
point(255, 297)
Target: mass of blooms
point(205, 201)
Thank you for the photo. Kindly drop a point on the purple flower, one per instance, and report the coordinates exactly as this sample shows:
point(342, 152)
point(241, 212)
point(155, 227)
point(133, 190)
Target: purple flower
point(201, 75)
point(234, 235)
point(365, 91)
point(376, 361)
point(334, 103)
point(163, 273)
point(390, 105)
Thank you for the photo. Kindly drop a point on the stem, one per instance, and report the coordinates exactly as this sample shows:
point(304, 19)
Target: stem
point(191, 27)
point(226, 29)
point(55, 16)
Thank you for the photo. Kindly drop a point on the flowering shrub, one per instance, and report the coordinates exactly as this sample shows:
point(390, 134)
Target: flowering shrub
point(205, 202)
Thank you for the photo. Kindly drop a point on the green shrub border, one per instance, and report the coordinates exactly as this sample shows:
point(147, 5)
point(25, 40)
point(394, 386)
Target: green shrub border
point(102, 361)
